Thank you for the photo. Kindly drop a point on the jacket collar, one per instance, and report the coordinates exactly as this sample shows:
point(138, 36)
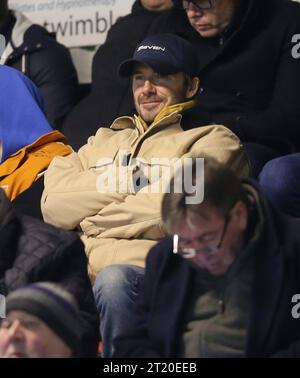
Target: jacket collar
point(166, 117)
point(251, 17)
point(179, 108)
point(26, 37)
point(21, 25)
point(175, 108)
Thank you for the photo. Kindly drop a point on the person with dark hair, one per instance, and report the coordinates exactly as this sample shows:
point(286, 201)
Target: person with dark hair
point(35, 52)
point(32, 252)
point(111, 95)
point(111, 190)
point(43, 321)
point(233, 262)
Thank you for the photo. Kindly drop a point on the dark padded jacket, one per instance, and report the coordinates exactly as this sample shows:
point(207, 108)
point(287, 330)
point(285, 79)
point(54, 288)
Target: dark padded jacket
point(35, 52)
point(32, 251)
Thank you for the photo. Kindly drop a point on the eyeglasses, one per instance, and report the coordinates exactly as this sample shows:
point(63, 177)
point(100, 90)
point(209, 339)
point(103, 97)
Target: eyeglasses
point(199, 4)
point(189, 253)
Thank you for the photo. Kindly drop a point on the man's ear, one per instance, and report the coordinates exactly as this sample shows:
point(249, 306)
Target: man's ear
point(192, 87)
point(241, 212)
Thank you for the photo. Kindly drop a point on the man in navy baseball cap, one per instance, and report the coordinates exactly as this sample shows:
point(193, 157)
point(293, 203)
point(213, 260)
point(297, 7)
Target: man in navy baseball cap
point(164, 73)
point(165, 53)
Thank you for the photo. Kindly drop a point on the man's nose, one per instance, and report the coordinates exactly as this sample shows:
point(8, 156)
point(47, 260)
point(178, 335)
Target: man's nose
point(194, 12)
point(148, 87)
point(15, 330)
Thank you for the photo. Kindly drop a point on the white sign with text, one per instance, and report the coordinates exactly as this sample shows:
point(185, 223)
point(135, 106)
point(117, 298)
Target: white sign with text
point(75, 22)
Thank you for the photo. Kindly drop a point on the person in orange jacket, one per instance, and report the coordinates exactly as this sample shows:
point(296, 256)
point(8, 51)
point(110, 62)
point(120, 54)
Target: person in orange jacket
point(28, 143)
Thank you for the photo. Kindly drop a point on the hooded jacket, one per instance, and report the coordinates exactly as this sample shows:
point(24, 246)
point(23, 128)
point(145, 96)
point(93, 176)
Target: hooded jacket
point(35, 52)
point(159, 321)
point(118, 211)
point(31, 251)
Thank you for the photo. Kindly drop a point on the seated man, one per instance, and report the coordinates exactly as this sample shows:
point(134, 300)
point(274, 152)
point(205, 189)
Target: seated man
point(42, 321)
point(111, 189)
point(111, 95)
point(233, 262)
point(31, 251)
point(35, 52)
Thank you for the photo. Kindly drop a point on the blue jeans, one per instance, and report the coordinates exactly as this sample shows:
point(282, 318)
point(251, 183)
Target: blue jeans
point(280, 180)
point(116, 289)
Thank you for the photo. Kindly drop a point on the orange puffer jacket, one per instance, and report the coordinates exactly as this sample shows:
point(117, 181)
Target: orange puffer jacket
point(23, 168)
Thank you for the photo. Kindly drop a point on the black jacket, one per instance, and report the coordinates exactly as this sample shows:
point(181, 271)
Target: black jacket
point(273, 332)
point(249, 79)
point(32, 251)
point(36, 53)
point(111, 96)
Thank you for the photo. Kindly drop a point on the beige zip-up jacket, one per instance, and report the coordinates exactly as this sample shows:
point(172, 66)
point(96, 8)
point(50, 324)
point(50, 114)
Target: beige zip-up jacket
point(119, 225)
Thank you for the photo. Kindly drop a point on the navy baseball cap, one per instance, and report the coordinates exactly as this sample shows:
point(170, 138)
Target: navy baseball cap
point(166, 54)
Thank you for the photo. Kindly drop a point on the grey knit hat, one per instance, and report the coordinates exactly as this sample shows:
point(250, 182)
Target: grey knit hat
point(54, 306)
